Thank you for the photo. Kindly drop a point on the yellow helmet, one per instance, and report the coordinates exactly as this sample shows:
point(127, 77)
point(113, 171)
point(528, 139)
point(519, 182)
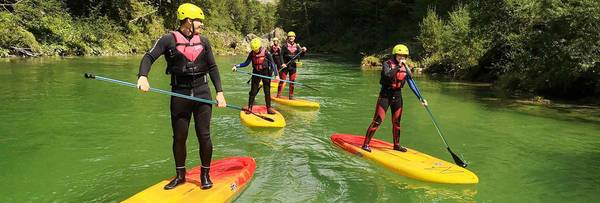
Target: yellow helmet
point(190, 11)
point(255, 44)
point(291, 34)
point(400, 49)
point(276, 39)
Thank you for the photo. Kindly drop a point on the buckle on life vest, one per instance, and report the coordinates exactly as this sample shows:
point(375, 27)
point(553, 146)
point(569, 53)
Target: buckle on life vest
point(191, 68)
point(189, 81)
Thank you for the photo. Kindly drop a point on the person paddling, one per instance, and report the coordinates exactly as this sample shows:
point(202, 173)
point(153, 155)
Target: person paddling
point(190, 62)
point(394, 75)
point(288, 52)
point(275, 50)
point(262, 64)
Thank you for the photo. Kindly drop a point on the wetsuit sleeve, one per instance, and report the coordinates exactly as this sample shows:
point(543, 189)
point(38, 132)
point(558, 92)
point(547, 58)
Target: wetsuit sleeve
point(213, 70)
point(301, 52)
point(413, 85)
point(282, 53)
point(247, 62)
point(272, 63)
point(388, 71)
point(160, 46)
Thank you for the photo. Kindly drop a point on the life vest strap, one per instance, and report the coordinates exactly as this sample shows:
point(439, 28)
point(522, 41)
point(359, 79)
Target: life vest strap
point(189, 81)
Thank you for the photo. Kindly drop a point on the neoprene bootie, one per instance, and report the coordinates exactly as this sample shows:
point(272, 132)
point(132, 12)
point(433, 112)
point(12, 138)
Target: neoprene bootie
point(205, 182)
point(178, 180)
point(399, 148)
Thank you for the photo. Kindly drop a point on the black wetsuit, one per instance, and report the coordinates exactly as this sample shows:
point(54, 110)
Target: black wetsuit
point(182, 109)
point(286, 56)
point(267, 68)
point(393, 78)
point(276, 52)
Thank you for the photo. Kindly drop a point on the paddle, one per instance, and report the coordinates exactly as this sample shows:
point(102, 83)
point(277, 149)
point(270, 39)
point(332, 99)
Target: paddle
point(292, 59)
point(286, 64)
point(457, 160)
point(92, 76)
point(272, 78)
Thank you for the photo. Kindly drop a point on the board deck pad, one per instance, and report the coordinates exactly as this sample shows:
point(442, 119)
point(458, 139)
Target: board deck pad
point(412, 163)
point(230, 176)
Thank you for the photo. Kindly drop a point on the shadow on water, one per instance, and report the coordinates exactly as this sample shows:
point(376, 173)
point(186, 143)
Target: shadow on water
point(485, 94)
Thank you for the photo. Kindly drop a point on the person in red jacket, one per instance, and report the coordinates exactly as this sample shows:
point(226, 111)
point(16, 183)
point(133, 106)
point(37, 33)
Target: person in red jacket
point(288, 52)
point(262, 64)
point(394, 75)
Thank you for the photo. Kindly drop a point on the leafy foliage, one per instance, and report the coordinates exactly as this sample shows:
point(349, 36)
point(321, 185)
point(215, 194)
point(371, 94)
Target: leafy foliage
point(91, 27)
point(545, 47)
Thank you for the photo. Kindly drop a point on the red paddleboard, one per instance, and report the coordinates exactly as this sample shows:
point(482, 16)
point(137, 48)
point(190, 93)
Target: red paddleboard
point(230, 176)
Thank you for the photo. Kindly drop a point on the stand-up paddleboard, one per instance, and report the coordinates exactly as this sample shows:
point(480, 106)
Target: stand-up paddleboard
point(251, 120)
point(275, 85)
point(230, 177)
point(295, 102)
point(412, 164)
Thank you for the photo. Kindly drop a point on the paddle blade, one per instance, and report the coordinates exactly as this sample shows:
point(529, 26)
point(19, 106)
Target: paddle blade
point(89, 75)
point(267, 119)
point(258, 115)
point(457, 160)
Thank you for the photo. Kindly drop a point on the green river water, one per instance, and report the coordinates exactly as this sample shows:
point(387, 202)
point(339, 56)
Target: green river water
point(67, 139)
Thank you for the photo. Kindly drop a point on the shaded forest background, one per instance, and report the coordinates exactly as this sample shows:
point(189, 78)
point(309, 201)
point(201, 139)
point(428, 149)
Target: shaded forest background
point(541, 47)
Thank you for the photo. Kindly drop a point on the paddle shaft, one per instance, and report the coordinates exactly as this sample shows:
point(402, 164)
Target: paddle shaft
point(292, 59)
point(262, 76)
point(436, 126)
point(173, 94)
point(457, 160)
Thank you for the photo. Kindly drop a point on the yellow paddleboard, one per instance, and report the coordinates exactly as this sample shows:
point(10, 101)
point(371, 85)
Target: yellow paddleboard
point(251, 120)
point(412, 164)
point(295, 102)
point(275, 85)
point(230, 177)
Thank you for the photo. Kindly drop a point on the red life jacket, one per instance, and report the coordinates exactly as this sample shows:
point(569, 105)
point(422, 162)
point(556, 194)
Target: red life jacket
point(400, 78)
point(182, 59)
point(275, 50)
point(258, 59)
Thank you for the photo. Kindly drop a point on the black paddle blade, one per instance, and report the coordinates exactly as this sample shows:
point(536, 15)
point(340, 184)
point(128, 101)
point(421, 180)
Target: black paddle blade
point(89, 75)
point(263, 117)
point(457, 160)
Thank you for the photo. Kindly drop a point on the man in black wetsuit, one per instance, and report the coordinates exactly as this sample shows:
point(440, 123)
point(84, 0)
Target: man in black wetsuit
point(190, 62)
point(276, 52)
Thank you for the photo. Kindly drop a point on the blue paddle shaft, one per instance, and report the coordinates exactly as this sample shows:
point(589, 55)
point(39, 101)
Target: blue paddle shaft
point(165, 92)
point(262, 76)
